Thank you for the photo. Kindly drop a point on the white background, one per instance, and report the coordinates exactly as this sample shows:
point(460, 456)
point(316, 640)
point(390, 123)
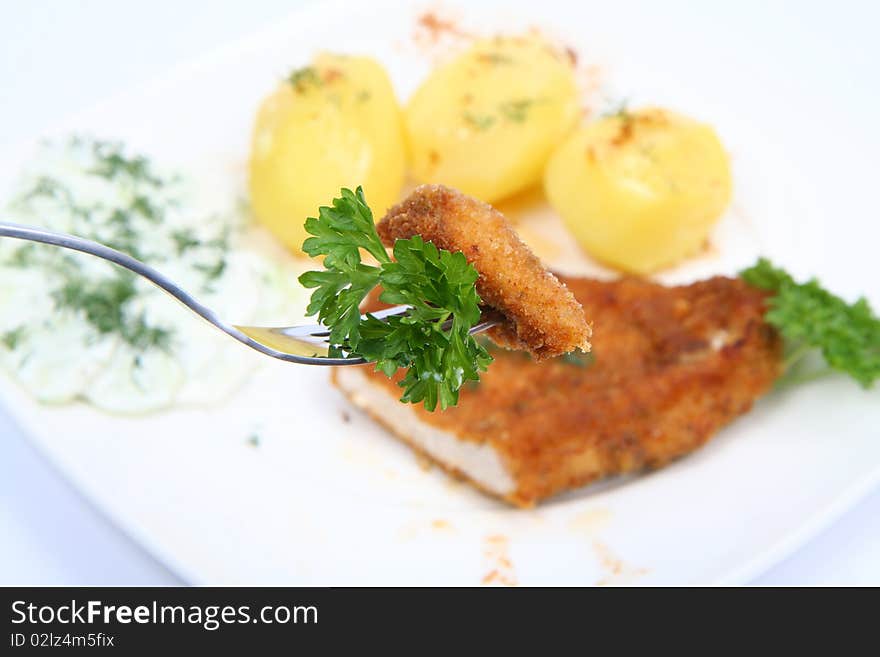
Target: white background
point(59, 57)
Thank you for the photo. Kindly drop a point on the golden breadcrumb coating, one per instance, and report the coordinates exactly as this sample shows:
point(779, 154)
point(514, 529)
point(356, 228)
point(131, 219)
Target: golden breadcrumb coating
point(670, 367)
point(542, 316)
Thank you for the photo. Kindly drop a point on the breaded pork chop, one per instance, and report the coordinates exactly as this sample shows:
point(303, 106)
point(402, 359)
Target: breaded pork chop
point(542, 316)
point(671, 366)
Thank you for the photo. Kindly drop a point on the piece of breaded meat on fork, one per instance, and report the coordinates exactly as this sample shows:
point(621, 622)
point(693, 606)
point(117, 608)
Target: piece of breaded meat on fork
point(540, 314)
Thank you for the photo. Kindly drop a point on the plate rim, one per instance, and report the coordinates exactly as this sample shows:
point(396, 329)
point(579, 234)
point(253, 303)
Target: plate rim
point(818, 521)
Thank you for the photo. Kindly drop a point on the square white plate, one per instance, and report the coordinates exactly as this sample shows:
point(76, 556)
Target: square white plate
point(330, 498)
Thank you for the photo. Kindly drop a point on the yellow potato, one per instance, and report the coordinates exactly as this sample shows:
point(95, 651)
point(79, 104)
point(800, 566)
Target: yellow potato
point(487, 121)
point(333, 124)
point(640, 191)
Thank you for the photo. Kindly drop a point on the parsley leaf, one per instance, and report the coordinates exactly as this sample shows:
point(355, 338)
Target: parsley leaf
point(810, 317)
point(432, 341)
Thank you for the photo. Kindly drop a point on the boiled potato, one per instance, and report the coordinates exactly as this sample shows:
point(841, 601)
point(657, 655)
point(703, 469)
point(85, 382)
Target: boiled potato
point(487, 121)
point(333, 124)
point(640, 190)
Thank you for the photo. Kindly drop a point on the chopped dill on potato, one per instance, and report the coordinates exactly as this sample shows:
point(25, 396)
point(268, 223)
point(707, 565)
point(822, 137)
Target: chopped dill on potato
point(516, 110)
point(479, 122)
point(303, 78)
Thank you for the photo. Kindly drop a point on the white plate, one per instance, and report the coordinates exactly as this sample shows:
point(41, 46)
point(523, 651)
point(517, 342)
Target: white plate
point(329, 498)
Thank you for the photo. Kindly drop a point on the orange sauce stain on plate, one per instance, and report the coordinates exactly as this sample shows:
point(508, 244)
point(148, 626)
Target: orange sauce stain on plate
point(500, 571)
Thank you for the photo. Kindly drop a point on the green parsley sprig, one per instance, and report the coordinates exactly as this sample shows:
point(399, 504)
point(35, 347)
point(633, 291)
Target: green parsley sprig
point(812, 318)
point(432, 341)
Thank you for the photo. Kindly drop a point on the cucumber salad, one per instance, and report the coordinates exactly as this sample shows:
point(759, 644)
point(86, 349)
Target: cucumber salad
point(74, 327)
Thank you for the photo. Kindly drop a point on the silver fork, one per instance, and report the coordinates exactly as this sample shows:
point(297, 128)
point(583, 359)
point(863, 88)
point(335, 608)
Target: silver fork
point(304, 344)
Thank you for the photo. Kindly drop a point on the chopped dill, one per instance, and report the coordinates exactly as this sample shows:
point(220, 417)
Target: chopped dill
point(101, 191)
point(143, 206)
point(47, 187)
point(512, 110)
point(516, 110)
point(126, 237)
point(481, 122)
point(23, 256)
point(112, 163)
point(119, 220)
point(221, 241)
point(212, 272)
point(184, 240)
point(11, 339)
point(303, 78)
point(495, 58)
point(140, 335)
point(102, 303)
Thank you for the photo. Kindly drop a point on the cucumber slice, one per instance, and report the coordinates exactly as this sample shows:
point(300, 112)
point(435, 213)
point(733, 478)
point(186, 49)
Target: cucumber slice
point(57, 359)
point(136, 383)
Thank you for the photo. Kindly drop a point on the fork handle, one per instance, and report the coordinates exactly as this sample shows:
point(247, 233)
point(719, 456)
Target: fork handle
point(65, 241)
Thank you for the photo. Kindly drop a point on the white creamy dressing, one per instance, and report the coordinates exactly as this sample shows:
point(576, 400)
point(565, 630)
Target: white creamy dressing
point(73, 327)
